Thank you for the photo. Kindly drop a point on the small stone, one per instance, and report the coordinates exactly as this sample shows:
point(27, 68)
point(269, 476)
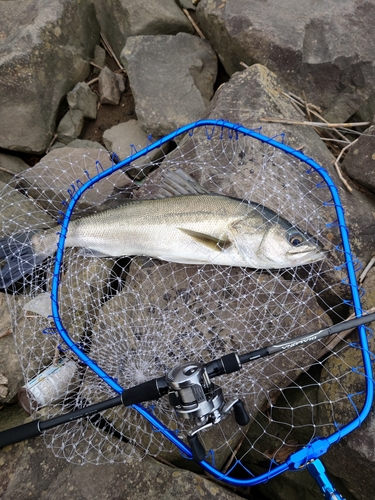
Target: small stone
point(120, 82)
point(99, 59)
point(70, 126)
point(109, 87)
point(126, 138)
point(84, 99)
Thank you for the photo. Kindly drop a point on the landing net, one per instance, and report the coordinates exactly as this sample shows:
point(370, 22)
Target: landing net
point(138, 317)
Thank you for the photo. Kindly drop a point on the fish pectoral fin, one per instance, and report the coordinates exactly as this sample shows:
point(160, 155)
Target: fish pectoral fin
point(207, 240)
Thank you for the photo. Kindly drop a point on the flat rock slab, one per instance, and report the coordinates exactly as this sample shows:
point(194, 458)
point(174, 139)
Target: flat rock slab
point(171, 77)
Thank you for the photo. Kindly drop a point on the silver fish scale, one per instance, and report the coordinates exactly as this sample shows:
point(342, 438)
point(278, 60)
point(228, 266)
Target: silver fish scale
point(153, 228)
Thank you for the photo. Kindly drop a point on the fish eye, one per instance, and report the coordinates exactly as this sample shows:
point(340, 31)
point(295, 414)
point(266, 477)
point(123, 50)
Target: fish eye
point(296, 239)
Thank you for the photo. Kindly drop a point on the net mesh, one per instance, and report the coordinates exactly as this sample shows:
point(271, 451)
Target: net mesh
point(138, 317)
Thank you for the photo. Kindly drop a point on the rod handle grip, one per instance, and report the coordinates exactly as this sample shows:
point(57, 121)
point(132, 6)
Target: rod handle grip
point(20, 433)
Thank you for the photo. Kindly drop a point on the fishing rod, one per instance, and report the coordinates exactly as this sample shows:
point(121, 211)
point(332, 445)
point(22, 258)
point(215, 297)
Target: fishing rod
point(191, 392)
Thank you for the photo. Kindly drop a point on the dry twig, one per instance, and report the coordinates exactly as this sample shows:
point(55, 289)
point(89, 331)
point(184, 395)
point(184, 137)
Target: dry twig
point(286, 121)
point(110, 51)
point(51, 143)
point(366, 270)
point(314, 110)
point(193, 23)
point(5, 333)
point(3, 169)
point(232, 456)
point(94, 80)
point(338, 169)
point(95, 65)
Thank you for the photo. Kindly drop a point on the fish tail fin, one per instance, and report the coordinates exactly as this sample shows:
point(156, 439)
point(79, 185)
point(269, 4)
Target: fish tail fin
point(18, 258)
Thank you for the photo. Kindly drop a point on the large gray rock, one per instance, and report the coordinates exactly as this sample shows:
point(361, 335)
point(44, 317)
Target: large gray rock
point(164, 102)
point(359, 162)
point(120, 19)
point(315, 50)
point(41, 40)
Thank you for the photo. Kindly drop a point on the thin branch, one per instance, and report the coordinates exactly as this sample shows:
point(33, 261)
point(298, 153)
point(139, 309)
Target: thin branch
point(232, 456)
point(110, 51)
point(307, 105)
point(93, 81)
point(51, 143)
point(314, 110)
point(338, 169)
point(3, 169)
point(5, 333)
point(95, 65)
point(366, 270)
point(313, 124)
point(193, 23)
point(332, 139)
point(301, 101)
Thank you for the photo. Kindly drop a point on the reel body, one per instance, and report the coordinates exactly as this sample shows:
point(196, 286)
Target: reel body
point(195, 397)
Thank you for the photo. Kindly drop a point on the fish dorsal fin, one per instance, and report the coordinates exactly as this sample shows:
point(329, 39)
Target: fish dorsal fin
point(207, 240)
point(179, 183)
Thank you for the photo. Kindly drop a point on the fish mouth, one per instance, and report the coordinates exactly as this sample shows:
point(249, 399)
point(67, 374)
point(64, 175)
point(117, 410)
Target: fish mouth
point(308, 256)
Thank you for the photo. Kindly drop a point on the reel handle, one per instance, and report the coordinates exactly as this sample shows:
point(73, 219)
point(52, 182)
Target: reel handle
point(240, 414)
point(196, 448)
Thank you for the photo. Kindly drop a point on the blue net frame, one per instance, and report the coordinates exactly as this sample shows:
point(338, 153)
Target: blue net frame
point(319, 446)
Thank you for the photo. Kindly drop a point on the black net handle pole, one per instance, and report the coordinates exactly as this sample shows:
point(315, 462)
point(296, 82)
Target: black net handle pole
point(156, 388)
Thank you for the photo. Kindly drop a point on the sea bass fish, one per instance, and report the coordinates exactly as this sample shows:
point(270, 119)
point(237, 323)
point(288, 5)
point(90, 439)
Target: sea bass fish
point(189, 229)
